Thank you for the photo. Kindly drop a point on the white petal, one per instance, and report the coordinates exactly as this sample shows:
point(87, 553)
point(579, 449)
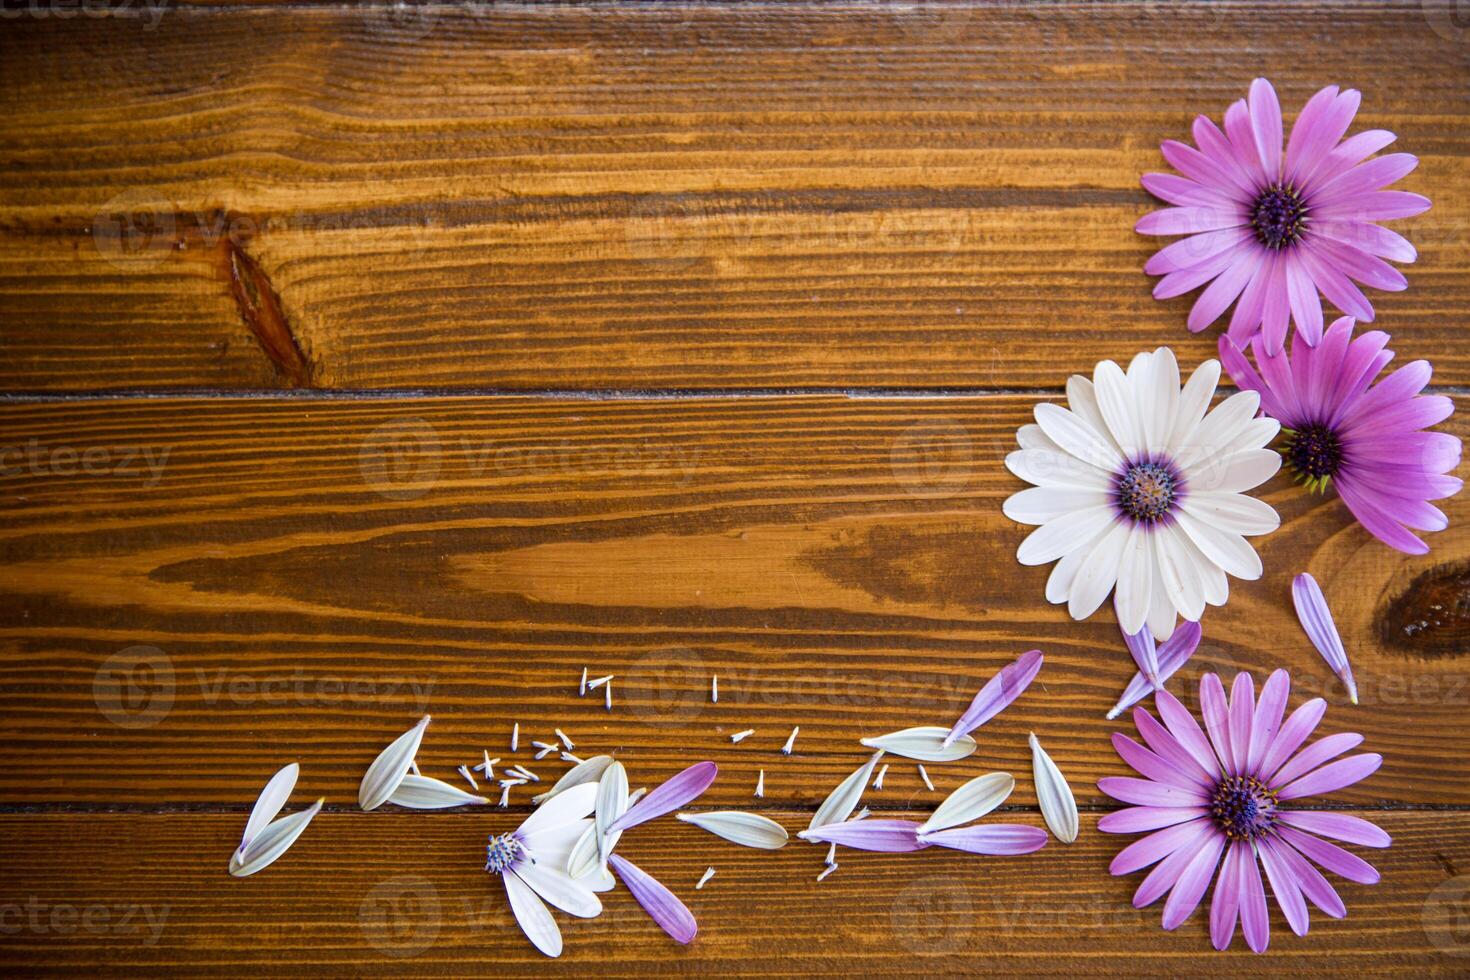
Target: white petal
point(1193, 402)
point(1233, 512)
point(389, 768)
point(586, 771)
point(1115, 401)
point(573, 804)
point(1054, 468)
point(277, 791)
point(554, 844)
point(1135, 578)
point(1058, 805)
point(535, 921)
point(1158, 397)
point(839, 804)
point(1161, 610)
point(925, 743)
point(1082, 400)
point(612, 803)
point(1056, 538)
point(272, 842)
point(1098, 574)
point(1226, 549)
point(1237, 472)
point(555, 887)
point(427, 793)
point(1217, 430)
point(1078, 437)
point(583, 860)
point(739, 827)
point(1038, 505)
point(971, 801)
point(1179, 576)
point(1030, 436)
point(1064, 573)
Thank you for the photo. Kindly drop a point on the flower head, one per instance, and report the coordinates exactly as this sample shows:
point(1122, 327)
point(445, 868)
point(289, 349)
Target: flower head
point(1365, 440)
point(1223, 800)
point(1270, 230)
point(1138, 489)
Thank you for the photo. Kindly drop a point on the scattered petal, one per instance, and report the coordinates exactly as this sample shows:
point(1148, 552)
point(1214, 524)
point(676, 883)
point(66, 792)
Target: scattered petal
point(760, 785)
point(878, 782)
point(612, 803)
point(1058, 805)
point(675, 792)
point(739, 827)
point(926, 743)
point(272, 841)
point(714, 697)
point(564, 740)
point(840, 803)
point(662, 905)
point(1173, 654)
point(427, 793)
point(389, 768)
point(996, 838)
point(743, 735)
point(971, 801)
point(588, 771)
point(515, 737)
point(278, 790)
point(1316, 620)
point(827, 870)
point(998, 692)
point(886, 835)
point(1145, 654)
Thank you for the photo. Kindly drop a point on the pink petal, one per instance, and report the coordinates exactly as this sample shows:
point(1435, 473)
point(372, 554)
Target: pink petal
point(1187, 221)
point(1268, 717)
point(675, 792)
point(1254, 921)
point(1173, 654)
point(1323, 750)
point(1141, 647)
point(662, 905)
point(1336, 286)
point(1242, 717)
point(1185, 192)
point(1266, 124)
point(1171, 751)
point(1190, 252)
point(1243, 143)
point(997, 838)
point(1146, 792)
point(1316, 620)
point(1373, 239)
point(1158, 845)
point(1186, 732)
point(892, 836)
point(1150, 765)
point(1351, 152)
point(1301, 295)
point(1324, 137)
point(1313, 885)
point(1296, 730)
point(1204, 169)
point(1245, 322)
point(1333, 777)
point(1140, 819)
point(1330, 856)
point(1339, 826)
point(1165, 874)
point(1371, 176)
point(1305, 131)
point(1213, 144)
point(1216, 299)
point(1276, 307)
point(1357, 264)
point(1225, 905)
point(997, 693)
point(1216, 712)
point(1284, 886)
point(1376, 206)
point(1190, 888)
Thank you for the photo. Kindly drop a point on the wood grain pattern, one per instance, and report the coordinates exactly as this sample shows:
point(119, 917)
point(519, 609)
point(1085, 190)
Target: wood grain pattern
point(657, 196)
point(404, 894)
point(316, 574)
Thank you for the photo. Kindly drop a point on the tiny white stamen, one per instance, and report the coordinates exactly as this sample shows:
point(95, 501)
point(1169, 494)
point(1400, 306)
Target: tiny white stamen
point(925, 774)
point(790, 741)
point(564, 740)
point(595, 684)
point(415, 767)
point(568, 757)
point(830, 868)
point(545, 752)
point(708, 874)
point(545, 745)
point(714, 688)
point(523, 771)
point(878, 783)
point(582, 687)
point(760, 785)
point(488, 766)
point(465, 772)
point(862, 814)
point(832, 854)
point(741, 736)
point(509, 782)
point(608, 691)
point(515, 737)
point(505, 797)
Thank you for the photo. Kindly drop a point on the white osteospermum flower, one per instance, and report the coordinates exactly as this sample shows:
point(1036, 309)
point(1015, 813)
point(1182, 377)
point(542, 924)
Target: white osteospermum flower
point(532, 861)
point(1139, 486)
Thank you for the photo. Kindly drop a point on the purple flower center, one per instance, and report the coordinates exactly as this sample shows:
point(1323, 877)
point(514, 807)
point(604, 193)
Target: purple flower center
point(1314, 453)
point(1243, 807)
point(1147, 491)
point(502, 852)
point(1279, 216)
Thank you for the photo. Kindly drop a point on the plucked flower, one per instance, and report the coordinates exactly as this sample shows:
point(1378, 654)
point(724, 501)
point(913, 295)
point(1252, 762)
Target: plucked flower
point(1270, 230)
point(1219, 799)
point(1139, 490)
point(532, 861)
point(1366, 440)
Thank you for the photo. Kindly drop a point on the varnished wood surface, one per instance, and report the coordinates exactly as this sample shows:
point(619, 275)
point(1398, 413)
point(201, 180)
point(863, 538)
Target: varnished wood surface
point(656, 195)
point(404, 895)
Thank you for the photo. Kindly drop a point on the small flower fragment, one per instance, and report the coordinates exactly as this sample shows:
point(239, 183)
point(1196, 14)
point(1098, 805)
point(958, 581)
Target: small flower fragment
point(714, 689)
point(465, 772)
point(704, 878)
point(607, 695)
point(662, 905)
point(427, 793)
point(1369, 441)
point(530, 860)
point(878, 780)
point(1145, 654)
point(924, 775)
point(827, 870)
point(568, 757)
point(997, 694)
point(564, 740)
point(739, 827)
point(593, 685)
point(1140, 492)
point(1173, 653)
point(925, 744)
point(832, 851)
point(1316, 620)
point(504, 797)
point(840, 803)
point(1058, 805)
point(390, 767)
point(545, 746)
point(488, 766)
point(742, 735)
point(790, 741)
point(266, 838)
point(885, 835)
point(515, 737)
point(528, 774)
point(1216, 798)
point(587, 771)
point(760, 785)
point(675, 792)
point(582, 685)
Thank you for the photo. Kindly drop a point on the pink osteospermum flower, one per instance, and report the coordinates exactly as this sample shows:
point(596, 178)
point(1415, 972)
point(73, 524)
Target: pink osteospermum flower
point(1216, 799)
point(1365, 439)
point(1268, 231)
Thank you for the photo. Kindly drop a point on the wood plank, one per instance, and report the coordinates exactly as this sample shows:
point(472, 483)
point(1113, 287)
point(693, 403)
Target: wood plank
point(315, 574)
point(404, 894)
point(655, 196)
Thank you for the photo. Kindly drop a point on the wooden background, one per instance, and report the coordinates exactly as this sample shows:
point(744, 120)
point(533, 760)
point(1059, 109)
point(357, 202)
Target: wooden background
point(357, 363)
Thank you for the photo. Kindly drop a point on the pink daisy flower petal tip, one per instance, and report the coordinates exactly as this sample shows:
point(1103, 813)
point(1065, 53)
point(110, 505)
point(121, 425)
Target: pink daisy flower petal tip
point(1367, 440)
point(1214, 802)
point(1269, 230)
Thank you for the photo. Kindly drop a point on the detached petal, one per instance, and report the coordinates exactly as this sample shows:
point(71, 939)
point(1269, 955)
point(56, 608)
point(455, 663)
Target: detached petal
point(662, 905)
point(1316, 620)
point(971, 801)
point(925, 743)
point(840, 803)
point(996, 838)
point(531, 913)
point(1058, 805)
point(676, 792)
point(389, 768)
point(997, 693)
point(277, 791)
point(272, 842)
point(739, 827)
point(891, 836)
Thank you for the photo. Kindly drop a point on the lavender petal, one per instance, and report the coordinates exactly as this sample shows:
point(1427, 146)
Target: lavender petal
point(1145, 655)
point(1316, 619)
point(676, 791)
point(998, 692)
point(662, 905)
point(996, 838)
point(892, 836)
point(1173, 653)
